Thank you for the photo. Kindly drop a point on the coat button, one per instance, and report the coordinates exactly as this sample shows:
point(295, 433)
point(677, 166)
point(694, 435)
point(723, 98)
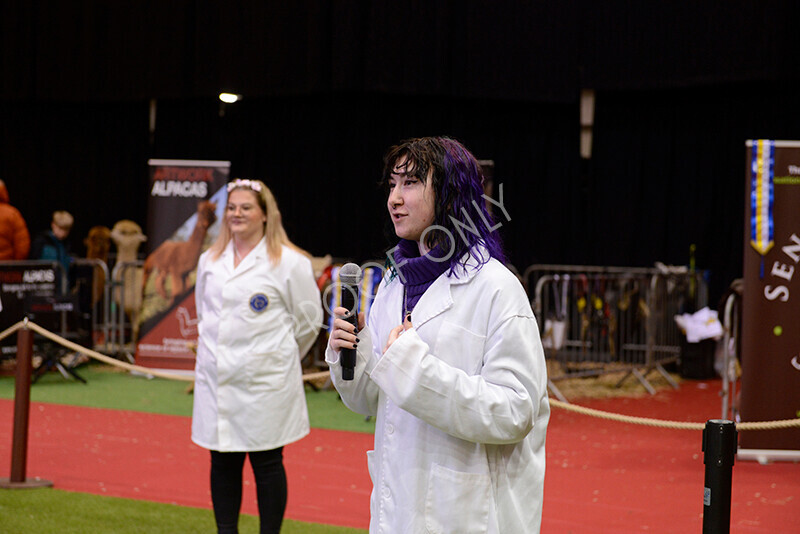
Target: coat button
point(386, 493)
point(390, 429)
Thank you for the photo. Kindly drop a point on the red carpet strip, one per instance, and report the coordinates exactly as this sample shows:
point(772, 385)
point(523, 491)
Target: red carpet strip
point(150, 457)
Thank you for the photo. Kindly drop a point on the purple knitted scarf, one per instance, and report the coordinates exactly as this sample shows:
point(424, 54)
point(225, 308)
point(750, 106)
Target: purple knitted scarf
point(417, 272)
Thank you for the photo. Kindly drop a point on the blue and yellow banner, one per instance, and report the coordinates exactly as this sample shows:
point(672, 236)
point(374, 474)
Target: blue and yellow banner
point(762, 196)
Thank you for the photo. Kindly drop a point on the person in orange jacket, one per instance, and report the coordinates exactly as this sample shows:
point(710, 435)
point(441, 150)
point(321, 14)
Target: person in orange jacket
point(15, 241)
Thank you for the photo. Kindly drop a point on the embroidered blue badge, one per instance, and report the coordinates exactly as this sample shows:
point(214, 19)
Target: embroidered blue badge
point(259, 302)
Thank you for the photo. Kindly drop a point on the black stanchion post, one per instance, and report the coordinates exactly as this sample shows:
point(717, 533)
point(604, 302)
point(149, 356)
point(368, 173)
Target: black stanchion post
point(719, 448)
point(22, 404)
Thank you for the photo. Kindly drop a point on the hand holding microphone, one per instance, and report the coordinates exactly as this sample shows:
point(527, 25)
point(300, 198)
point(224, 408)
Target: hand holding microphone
point(349, 278)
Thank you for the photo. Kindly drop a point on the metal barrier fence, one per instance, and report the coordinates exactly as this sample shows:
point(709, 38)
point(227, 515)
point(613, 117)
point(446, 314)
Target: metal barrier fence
point(599, 320)
point(730, 369)
point(98, 306)
point(593, 320)
point(126, 291)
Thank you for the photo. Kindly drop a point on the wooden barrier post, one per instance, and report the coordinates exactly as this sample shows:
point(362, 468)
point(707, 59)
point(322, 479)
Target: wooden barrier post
point(22, 404)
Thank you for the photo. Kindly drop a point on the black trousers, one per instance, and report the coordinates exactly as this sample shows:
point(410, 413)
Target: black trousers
point(226, 488)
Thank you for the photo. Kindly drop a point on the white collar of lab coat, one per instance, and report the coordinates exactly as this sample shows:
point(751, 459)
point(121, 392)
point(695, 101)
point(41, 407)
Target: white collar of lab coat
point(257, 255)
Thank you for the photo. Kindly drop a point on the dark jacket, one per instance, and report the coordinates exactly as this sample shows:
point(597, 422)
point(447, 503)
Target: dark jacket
point(46, 246)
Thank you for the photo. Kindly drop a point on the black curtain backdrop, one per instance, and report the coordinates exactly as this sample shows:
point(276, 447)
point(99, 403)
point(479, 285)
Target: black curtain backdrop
point(668, 171)
point(322, 156)
point(328, 86)
point(87, 158)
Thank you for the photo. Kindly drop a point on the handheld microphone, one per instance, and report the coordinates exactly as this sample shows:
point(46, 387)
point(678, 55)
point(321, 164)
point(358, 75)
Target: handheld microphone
point(349, 278)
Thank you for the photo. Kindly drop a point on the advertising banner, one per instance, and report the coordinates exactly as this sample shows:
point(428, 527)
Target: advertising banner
point(185, 208)
point(771, 299)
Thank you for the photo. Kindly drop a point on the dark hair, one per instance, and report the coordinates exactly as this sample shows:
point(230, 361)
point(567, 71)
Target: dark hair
point(457, 182)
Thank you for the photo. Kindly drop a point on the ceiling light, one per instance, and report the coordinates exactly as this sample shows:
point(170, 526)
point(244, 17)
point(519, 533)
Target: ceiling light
point(229, 98)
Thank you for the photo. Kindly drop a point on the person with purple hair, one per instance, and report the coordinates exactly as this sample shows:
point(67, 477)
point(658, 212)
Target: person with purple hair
point(459, 392)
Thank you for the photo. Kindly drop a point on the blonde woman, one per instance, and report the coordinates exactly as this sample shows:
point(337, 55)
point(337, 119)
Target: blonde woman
point(259, 312)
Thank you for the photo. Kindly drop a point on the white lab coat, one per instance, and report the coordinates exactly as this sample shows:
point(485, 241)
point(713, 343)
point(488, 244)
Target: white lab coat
point(461, 407)
point(255, 323)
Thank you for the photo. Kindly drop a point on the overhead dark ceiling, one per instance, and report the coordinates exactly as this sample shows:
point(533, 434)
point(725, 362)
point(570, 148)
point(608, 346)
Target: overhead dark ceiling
point(545, 51)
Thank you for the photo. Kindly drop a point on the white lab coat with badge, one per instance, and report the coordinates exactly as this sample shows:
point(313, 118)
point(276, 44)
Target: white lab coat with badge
point(256, 321)
point(461, 407)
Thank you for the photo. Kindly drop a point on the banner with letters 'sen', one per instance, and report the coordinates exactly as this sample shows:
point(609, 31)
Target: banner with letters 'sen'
point(771, 299)
point(185, 208)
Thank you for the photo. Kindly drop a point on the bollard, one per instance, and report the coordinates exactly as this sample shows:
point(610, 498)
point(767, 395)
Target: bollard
point(22, 404)
point(719, 446)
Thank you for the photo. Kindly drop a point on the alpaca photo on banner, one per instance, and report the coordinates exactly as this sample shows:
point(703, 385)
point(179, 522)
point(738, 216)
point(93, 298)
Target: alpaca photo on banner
point(187, 201)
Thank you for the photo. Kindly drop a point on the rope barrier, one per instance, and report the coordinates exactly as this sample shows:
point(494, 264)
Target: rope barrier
point(99, 356)
point(646, 421)
point(10, 330)
point(25, 323)
point(675, 425)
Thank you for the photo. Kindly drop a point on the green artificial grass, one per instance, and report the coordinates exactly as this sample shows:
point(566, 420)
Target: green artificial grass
point(116, 389)
point(47, 510)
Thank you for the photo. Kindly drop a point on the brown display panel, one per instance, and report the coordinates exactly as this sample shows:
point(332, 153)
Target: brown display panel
point(770, 340)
